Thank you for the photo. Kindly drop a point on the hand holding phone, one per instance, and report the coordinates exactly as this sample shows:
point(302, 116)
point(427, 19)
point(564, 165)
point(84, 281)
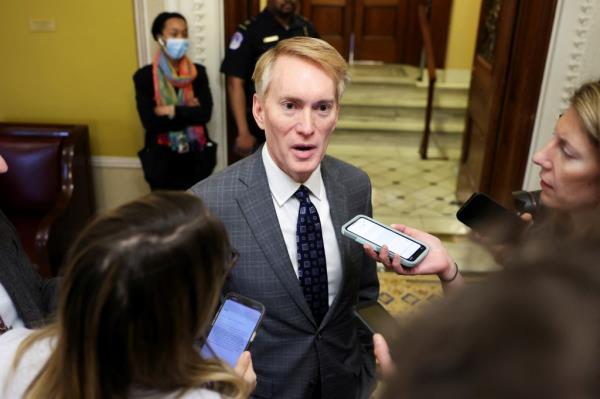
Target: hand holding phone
point(365, 230)
point(376, 318)
point(490, 219)
point(233, 328)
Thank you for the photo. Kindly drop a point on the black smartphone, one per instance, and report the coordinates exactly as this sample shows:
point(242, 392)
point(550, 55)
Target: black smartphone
point(378, 320)
point(233, 328)
point(490, 219)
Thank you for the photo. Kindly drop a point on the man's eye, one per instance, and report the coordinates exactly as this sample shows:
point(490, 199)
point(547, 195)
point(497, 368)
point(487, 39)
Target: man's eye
point(324, 107)
point(288, 106)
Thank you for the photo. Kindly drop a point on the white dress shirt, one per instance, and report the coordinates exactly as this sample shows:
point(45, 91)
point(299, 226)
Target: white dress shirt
point(8, 312)
point(286, 205)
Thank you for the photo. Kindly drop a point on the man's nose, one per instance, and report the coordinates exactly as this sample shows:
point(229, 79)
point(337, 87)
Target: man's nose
point(305, 123)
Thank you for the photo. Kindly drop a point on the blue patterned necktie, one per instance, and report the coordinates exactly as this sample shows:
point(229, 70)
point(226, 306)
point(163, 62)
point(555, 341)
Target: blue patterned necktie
point(312, 268)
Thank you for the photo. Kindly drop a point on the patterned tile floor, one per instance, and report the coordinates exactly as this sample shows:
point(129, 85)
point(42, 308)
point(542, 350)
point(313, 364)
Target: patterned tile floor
point(418, 193)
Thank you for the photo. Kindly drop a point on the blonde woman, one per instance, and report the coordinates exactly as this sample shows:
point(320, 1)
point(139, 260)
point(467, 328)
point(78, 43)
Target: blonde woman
point(141, 286)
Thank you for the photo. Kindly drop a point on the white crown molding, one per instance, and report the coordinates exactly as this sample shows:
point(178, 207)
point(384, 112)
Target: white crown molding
point(572, 59)
point(116, 162)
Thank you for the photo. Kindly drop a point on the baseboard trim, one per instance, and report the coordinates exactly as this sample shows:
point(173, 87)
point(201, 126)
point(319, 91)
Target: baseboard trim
point(116, 162)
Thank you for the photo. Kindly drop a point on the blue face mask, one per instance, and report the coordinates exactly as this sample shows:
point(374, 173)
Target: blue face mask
point(176, 48)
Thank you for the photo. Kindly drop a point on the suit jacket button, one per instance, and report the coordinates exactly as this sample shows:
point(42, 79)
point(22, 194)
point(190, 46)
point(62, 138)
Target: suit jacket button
point(319, 337)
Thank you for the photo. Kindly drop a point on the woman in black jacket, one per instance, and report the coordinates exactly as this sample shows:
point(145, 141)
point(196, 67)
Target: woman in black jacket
point(174, 102)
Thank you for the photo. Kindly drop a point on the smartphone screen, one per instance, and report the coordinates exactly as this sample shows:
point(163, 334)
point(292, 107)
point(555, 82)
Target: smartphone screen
point(490, 219)
point(380, 236)
point(376, 318)
point(233, 329)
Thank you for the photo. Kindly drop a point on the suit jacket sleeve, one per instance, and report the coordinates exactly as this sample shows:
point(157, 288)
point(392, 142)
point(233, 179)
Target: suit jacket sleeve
point(33, 297)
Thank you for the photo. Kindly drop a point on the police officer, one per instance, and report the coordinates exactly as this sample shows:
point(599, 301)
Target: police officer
point(276, 22)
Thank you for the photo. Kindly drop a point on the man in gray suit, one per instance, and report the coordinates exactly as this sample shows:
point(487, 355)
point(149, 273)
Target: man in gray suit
point(25, 298)
point(283, 208)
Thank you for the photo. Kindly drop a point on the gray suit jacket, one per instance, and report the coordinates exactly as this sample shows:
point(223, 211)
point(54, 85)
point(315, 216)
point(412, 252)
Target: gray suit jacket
point(33, 297)
point(290, 351)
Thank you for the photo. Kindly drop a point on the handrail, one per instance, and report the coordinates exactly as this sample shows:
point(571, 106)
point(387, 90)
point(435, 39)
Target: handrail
point(427, 43)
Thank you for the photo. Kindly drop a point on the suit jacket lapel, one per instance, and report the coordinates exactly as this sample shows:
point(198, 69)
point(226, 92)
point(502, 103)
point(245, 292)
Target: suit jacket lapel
point(338, 208)
point(257, 207)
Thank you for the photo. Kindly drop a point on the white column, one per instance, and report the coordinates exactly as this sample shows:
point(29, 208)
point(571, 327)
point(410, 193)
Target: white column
point(573, 58)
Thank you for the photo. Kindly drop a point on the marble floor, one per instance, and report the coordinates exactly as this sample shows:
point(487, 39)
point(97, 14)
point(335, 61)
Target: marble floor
point(418, 193)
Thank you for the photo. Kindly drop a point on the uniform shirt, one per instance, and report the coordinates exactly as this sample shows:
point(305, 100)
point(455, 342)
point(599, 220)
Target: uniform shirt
point(286, 205)
point(252, 38)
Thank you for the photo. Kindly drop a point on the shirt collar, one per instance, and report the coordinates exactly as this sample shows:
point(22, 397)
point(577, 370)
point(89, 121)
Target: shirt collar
point(283, 187)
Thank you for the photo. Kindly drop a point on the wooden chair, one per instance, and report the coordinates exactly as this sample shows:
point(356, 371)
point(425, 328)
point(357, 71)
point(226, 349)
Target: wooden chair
point(48, 192)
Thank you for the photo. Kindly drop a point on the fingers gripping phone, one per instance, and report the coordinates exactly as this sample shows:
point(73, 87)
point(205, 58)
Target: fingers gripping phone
point(490, 219)
point(233, 328)
point(365, 230)
point(378, 320)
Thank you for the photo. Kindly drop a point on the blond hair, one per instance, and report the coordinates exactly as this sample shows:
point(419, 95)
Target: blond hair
point(312, 50)
point(586, 102)
point(141, 286)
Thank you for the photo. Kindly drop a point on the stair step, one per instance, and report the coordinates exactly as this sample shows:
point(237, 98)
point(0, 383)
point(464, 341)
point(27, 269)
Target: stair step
point(402, 125)
point(390, 98)
point(402, 100)
point(394, 74)
point(392, 71)
point(389, 112)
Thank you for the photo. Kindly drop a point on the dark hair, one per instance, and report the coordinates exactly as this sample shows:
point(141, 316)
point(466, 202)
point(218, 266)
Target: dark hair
point(531, 331)
point(141, 285)
point(161, 19)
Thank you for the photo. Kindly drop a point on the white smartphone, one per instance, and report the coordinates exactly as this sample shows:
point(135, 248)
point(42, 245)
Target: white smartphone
point(365, 230)
point(233, 328)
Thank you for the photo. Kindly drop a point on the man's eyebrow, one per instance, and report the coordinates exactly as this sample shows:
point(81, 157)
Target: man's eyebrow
point(301, 101)
point(292, 99)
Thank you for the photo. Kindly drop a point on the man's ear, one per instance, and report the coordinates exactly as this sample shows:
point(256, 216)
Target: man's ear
point(258, 111)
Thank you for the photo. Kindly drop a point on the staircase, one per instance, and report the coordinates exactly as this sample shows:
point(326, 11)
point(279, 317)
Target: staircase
point(389, 98)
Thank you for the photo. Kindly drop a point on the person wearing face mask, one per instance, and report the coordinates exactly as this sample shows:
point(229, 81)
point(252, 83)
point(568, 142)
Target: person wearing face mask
point(174, 103)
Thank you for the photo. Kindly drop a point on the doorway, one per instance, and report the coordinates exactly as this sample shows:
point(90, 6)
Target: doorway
point(381, 121)
point(379, 30)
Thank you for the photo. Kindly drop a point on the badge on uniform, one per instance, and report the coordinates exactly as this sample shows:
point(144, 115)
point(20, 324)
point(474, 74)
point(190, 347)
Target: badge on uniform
point(236, 41)
point(270, 39)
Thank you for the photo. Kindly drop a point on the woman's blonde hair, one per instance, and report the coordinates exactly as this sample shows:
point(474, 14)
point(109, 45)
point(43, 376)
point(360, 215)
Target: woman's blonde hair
point(312, 50)
point(141, 286)
point(586, 102)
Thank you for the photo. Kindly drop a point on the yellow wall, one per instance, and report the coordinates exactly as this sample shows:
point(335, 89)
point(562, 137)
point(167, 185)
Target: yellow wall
point(462, 34)
point(81, 73)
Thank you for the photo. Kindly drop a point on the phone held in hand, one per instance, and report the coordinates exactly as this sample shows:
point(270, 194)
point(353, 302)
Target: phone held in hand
point(376, 318)
point(366, 230)
point(490, 219)
point(233, 328)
